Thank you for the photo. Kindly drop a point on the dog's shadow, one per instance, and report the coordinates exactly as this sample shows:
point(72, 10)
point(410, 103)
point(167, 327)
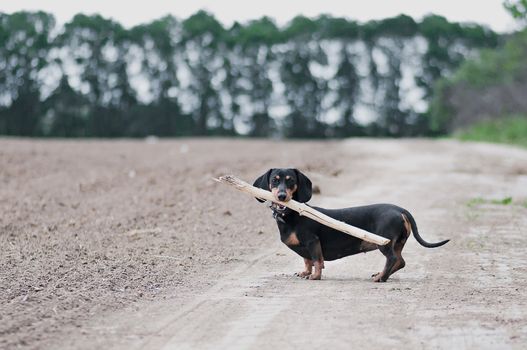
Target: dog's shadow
point(342, 280)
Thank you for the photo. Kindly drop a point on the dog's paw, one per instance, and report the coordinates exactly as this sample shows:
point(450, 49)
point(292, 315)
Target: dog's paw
point(379, 279)
point(303, 274)
point(376, 277)
point(314, 277)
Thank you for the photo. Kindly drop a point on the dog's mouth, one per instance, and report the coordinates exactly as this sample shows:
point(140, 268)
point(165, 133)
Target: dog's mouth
point(278, 207)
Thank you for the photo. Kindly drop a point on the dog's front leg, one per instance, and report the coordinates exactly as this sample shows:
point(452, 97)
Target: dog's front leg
point(315, 250)
point(308, 269)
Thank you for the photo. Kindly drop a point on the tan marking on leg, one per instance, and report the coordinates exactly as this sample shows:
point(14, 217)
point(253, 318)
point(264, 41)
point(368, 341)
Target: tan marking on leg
point(398, 247)
point(308, 268)
point(319, 265)
point(400, 263)
point(385, 274)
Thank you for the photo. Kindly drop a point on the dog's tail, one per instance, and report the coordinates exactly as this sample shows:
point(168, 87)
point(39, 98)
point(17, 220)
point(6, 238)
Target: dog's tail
point(419, 238)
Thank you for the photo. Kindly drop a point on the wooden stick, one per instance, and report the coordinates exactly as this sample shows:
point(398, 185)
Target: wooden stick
point(304, 210)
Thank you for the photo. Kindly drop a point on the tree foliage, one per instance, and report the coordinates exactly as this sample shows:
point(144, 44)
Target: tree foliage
point(517, 8)
point(314, 77)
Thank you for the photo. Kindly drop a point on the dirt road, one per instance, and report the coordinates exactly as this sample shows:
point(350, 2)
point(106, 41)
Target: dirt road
point(130, 245)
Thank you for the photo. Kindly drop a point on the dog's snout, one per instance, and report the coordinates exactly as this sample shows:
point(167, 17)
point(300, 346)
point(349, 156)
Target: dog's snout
point(282, 196)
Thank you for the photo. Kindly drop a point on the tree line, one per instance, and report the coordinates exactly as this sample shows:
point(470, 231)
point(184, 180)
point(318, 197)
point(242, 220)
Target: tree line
point(313, 78)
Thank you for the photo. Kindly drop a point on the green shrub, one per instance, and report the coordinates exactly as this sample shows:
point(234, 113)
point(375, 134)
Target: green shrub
point(511, 130)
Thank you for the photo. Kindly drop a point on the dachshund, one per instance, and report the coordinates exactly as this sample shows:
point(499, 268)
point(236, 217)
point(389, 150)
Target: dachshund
point(317, 243)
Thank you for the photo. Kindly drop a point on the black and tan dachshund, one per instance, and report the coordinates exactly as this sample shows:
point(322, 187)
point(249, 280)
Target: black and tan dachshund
point(317, 243)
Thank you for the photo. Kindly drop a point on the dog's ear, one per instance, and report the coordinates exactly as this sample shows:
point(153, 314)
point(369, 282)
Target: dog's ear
point(263, 182)
point(304, 188)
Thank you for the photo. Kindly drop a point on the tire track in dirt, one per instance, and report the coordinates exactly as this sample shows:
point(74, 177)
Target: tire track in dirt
point(225, 300)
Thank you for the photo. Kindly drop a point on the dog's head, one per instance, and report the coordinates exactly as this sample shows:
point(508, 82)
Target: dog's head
point(285, 184)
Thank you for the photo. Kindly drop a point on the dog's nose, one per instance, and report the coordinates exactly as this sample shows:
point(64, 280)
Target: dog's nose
point(282, 196)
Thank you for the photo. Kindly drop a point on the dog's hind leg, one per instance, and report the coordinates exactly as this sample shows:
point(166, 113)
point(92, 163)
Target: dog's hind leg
point(391, 258)
point(399, 263)
point(399, 245)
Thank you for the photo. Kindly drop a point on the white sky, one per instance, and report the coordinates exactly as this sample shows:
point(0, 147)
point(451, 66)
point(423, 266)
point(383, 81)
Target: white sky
point(129, 13)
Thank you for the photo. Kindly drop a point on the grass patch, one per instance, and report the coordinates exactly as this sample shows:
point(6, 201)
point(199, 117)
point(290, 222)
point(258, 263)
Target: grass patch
point(509, 130)
point(504, 201)
point(475, 202)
